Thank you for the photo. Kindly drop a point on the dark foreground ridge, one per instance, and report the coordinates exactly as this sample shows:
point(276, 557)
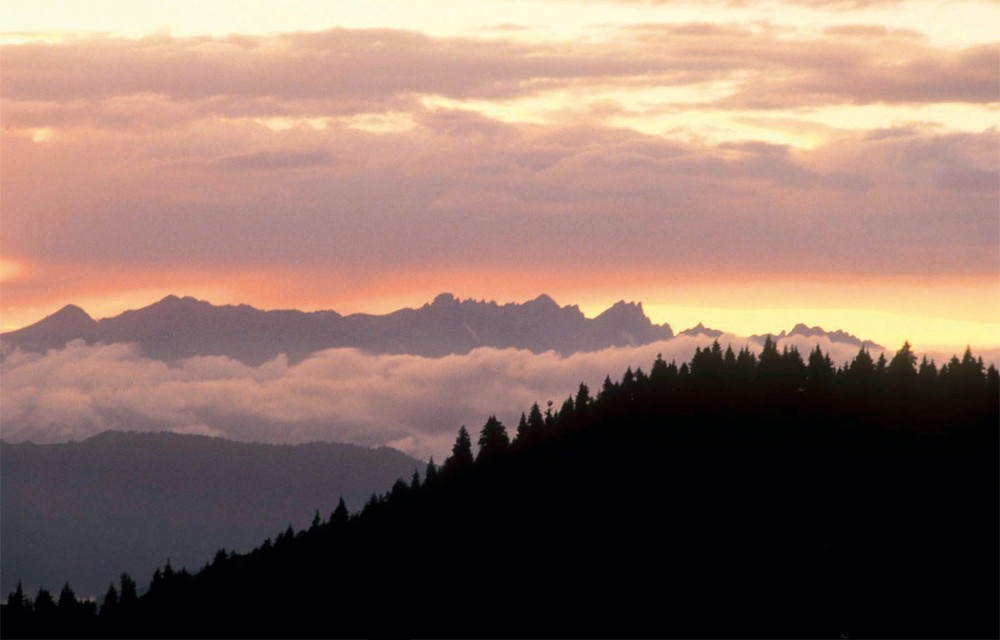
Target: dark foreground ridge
point(733, 496)
point(85, 511)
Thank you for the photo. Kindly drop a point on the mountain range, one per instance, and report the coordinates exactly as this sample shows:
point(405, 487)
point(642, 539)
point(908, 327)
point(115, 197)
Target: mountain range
point(176, 328)
point(127, 501)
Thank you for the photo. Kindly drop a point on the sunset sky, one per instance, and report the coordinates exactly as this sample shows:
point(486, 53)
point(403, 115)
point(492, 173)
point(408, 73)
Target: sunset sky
point(748, 165)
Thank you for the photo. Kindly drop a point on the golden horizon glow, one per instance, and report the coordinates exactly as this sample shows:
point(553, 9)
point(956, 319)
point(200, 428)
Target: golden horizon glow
point(933, 314)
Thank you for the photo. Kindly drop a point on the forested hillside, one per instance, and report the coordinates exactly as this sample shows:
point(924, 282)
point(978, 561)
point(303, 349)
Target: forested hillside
point(85, 511)
point(735, 495)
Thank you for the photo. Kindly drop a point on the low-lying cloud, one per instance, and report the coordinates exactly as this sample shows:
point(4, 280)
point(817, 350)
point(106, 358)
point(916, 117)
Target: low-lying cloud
point(412, 403)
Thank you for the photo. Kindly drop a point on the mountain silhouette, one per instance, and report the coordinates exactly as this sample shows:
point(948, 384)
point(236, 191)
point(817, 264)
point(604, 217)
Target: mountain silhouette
point(175, 328)
point(84, 511)
point(818, 332)
point(700, 330)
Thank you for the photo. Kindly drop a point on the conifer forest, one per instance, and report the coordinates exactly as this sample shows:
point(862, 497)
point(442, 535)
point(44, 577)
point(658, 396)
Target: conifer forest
point(739, 494)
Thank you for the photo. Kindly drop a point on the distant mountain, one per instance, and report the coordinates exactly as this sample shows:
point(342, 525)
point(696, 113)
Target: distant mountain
point(838, 336)
point(701, 330)
point(85, 511)
point(176, 328)
point(799, 330)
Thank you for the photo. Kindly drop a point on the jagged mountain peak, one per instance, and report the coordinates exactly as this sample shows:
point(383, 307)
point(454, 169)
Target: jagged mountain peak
point(701, 330)
point(444, 299)
point(805, 331)
point(544, 300)
point(176, 327)
point(621, 310)
point(176, 302)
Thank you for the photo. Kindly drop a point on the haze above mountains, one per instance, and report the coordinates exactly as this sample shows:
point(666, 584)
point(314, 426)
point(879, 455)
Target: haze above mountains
point(176, 328)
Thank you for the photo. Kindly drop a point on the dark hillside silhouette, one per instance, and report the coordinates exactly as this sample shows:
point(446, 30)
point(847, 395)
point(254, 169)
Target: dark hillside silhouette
point(85, 511)
point(731, 496)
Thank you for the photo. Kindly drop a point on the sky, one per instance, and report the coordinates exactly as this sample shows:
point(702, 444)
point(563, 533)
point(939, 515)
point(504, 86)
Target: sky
point(748, 165)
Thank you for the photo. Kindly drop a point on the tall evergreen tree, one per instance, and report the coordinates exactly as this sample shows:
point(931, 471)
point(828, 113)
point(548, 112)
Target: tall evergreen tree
point(746, 364)
point(430, 475)
point(608, 388)
point(902, 370)
point(861, 371)
point(658, 372)
point(769, 362)
point(567, 413)
point(927, 375)
point(582, 401)
point(340, 515)
point(523, 433)
point(493, 439)
point(109, 606)
point(461, 453)
point(128, 594)
point(17, 601)
point(45, 605)
point(819, 370)
point(67, 601)
point(881, 365)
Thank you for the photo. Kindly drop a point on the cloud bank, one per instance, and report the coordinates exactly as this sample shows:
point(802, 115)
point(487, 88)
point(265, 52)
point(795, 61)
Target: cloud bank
point(413, 403)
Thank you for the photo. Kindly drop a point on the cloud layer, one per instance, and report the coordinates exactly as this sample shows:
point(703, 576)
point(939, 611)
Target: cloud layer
point(413, 403)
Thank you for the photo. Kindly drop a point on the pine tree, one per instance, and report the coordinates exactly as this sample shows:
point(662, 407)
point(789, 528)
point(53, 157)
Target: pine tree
point(339, 516)
point(861, 371)
point(608, 388)
point(536, 423)
point(461, 453)
point(658, 372)
point(67, 599)
point(430, 475)
point(926, 375)
point(582, 401)
point(17, 616)
point(566, 413)
point(902, 370)
point(109, 606)
point(881, 366)
point(493, 439)
point(522, 434)
point(769, 361)
point(45, 606)
point(819, 370)
point(17, 601)
point(127, 591)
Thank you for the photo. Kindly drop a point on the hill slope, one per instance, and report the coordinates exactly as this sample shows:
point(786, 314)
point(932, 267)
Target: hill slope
point(734, 500)
point(120, 501)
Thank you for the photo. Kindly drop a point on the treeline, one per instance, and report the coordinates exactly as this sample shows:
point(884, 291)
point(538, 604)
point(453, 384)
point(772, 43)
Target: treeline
point(738, 494)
